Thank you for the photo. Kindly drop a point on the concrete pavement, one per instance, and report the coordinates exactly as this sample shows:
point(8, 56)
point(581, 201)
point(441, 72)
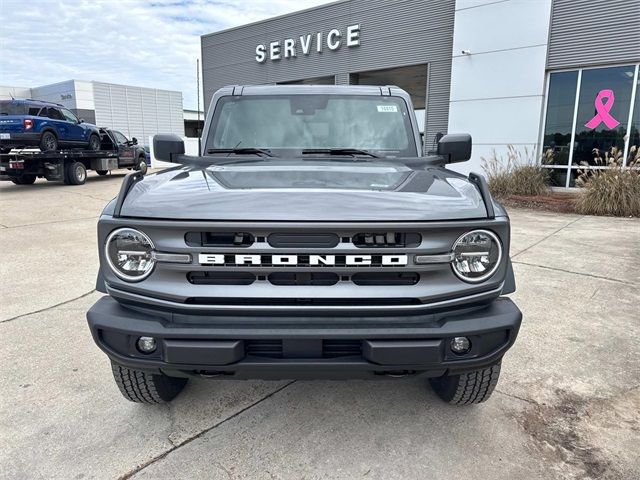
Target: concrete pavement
point(567, 404)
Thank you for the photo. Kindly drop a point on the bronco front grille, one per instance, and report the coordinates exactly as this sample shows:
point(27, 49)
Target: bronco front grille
point(259, 258)
point(311, 267)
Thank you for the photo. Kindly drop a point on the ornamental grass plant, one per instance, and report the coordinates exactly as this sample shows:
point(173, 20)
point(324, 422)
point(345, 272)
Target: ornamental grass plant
point(516, 174)
point(612, 191)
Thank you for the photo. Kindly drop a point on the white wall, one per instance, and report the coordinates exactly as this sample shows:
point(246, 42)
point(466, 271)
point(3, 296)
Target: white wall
point(138, 112)
point(7, 93)
point(497, 92)
point(83, 95)
point(63, 93)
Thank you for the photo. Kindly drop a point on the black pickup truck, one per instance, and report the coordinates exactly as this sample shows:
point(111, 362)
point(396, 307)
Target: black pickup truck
point(312, 239)
point(23, 166)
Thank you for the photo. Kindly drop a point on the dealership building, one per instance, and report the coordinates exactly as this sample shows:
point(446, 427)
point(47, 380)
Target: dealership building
point(135, 111)
point(555, 76)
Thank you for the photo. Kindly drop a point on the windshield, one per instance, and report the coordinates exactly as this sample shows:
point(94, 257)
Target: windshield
point(288, 124)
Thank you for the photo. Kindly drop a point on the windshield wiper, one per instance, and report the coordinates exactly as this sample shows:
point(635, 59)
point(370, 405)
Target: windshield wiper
point(241, 151)
point(339, 151)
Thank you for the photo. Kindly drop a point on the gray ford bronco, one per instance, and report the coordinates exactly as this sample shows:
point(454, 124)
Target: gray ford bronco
point(311, 238)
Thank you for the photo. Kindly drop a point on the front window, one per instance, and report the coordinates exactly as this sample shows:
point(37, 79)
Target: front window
point(589, 112)
point(68, 116)
point(288, 124)
point(120, 138)
point(54, 114)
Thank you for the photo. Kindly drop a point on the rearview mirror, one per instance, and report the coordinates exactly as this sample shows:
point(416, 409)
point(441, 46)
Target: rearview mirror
point(166, 145)
point(455, 147)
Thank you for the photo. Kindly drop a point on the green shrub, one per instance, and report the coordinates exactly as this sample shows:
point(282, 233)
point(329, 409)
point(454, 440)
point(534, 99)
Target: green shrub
point(615, 191)
point(517, 174)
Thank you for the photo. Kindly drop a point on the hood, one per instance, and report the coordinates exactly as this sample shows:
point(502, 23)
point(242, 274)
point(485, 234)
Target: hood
point(305, 191)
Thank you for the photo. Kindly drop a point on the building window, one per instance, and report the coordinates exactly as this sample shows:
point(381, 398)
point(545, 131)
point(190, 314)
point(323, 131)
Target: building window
point(559, 124)
point(589, 109)
point(412, 79)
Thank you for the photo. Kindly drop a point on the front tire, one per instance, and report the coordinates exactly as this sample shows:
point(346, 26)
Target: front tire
point(75, 173)
point(94, 142)
point(143, 387)
point(48, 141)
point(467, 388)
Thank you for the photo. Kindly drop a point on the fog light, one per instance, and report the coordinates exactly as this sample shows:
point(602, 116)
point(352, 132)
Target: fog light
point(460, 345)
point(146, 344)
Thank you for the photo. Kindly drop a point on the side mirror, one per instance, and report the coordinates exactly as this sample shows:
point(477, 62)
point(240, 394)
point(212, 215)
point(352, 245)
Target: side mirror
point(81, 120)
point(455, 147)
point(166, 145)
point(134, 141)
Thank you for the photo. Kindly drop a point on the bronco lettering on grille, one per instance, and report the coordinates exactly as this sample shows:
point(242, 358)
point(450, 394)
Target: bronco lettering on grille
point(310, 260)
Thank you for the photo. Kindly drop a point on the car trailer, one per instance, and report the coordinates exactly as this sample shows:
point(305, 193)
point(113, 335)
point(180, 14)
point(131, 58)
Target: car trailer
point(23, 166)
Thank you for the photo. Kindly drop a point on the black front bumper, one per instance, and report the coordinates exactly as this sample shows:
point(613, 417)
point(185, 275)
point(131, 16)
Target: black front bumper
point(320, 349)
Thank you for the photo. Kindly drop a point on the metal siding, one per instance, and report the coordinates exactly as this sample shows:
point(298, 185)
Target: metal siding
point(593, 32)
point(439, 84)
point(135, 114)
point(163, 100)
point(102, 100)
point(150, 119)
point(342, 79)
point(138, 112)
point(394, 33)
point(177, 113)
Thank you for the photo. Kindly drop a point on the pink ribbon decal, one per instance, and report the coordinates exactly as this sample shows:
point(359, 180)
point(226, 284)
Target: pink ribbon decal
point(602, 110)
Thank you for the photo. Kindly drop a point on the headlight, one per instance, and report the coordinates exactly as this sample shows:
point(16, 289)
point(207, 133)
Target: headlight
point(129, 253)
point(476, 255)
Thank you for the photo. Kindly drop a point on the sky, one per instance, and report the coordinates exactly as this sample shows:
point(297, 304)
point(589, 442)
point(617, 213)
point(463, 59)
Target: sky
point(134, 42)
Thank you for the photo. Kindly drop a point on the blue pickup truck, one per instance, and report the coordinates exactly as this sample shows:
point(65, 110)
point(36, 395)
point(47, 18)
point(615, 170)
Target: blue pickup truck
point(50, 126)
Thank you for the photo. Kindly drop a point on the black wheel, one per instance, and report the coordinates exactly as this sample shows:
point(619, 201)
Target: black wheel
point(94, 142)
point(102, 172)
point(75, 173)
point(467, 388)
point(142, 165)
point(24, 179)
point(143, 387)
point(48, 141)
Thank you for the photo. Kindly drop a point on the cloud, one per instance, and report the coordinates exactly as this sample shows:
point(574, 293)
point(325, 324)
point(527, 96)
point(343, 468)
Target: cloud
point(145, 43)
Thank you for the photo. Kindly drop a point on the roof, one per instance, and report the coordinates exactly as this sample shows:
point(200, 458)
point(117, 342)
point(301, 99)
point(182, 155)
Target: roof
point(317, 89)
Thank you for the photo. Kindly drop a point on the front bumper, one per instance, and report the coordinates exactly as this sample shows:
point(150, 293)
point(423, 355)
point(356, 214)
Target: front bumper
point(313, 349)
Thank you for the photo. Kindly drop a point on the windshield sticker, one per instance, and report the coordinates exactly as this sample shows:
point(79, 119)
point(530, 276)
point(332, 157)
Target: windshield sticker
point(388, 108)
